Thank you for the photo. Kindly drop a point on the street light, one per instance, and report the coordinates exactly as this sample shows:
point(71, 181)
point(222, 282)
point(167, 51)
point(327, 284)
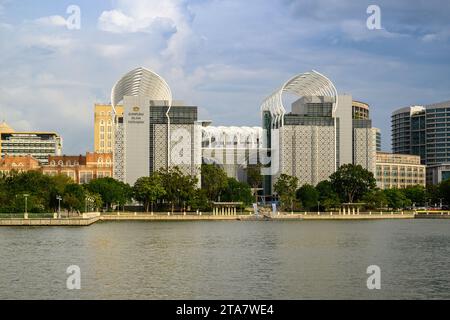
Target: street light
point(59, 198)
point(26, 204)
point(318, 206)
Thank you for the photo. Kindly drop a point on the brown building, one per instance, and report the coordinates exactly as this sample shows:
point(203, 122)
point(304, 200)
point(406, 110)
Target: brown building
point(81, 169)
point(18, 163)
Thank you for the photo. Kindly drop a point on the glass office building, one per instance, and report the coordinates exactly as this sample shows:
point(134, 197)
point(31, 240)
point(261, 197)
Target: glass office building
point(424, 131)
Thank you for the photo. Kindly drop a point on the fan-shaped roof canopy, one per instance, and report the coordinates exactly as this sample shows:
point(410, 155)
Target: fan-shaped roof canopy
point(143, 82)
point(310, 83)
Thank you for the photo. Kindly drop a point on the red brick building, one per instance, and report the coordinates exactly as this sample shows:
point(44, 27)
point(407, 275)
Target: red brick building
point(18, 163)
point(81, 169)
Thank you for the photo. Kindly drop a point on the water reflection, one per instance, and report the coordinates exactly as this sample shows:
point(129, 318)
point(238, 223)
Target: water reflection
point(229, 260)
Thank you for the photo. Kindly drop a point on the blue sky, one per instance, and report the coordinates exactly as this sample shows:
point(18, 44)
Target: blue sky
point(225, 56)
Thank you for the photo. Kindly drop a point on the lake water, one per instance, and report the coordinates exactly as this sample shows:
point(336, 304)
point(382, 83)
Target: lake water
point(228, 260)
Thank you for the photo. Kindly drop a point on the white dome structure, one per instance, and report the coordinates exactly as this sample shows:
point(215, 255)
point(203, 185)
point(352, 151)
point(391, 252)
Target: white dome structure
point(310, 83)
point(141, 82)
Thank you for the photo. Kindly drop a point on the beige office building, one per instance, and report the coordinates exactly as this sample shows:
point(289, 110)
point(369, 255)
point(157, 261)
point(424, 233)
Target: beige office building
point(399, 170)
point(103, 127)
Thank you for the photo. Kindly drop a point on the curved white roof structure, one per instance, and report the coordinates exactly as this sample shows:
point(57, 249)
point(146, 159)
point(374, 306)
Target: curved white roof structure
point(310, 83)
point(143, 82)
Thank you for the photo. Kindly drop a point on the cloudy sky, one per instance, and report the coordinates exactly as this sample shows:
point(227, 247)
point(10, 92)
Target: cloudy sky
point(223, 55)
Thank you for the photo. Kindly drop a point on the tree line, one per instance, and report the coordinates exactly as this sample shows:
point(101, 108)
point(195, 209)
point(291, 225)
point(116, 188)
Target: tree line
point(354, 184)
point(163, 190)
point(172, 190)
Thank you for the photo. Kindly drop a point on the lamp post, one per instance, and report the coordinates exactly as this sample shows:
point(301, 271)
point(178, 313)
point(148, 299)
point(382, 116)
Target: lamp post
point(26, 204)
point(86, 199)
point(318, 207)
point(59, 198)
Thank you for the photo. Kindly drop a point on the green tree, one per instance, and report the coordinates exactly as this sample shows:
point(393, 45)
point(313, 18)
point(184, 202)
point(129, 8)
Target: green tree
point(33, 183)
point(327, 196)
point(214, 180)
point(96, 202)
point(396, 199)
point(285, 187)
point(200, 201)
point(416, 194)
point(111, 190)
point(375, 199)
point(254, 178)
point(57, 187)
point(74, 197)
point(237, 192)
point(179, 188)
point(351, 182)
point(444, 191)
point(308, 196)
point(148, 190)
point(433, 193)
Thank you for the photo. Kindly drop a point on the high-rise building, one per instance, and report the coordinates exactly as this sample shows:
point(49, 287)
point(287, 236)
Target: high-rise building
point(360, 110)
point(378, 139)
point(424, 131)
point(37, 144)
point(323, 131)
point(155, 132)
point(104, 128)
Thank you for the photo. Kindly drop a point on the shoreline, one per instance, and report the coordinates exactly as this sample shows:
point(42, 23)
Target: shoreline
point(92, 218)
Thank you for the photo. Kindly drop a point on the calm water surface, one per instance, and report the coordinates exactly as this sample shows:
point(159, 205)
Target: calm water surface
point(228, 260)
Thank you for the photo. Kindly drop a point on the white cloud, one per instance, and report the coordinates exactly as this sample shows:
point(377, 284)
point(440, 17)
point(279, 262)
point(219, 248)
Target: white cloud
point(357, 30)
point(170, 19)
point(144, 16)
point(57, 21)
point(116, 21)
point(111, 50)
point(438, 36)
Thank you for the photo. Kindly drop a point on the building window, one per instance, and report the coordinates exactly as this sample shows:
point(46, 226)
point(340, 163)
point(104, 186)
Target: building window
point(86, 176)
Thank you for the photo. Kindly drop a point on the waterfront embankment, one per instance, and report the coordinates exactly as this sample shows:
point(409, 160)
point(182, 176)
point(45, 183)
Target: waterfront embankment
point(91, 218)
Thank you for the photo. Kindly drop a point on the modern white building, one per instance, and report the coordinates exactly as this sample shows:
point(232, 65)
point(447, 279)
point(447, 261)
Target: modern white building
point(320, 134)
point(231, 148)
point(155, 132)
